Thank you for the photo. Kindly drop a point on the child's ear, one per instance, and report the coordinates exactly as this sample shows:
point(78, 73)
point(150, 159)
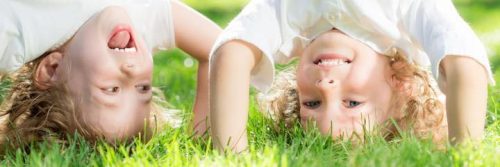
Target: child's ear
point(45, 74)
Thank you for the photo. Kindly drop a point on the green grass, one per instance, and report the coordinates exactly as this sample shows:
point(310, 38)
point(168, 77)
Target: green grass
point(176, 147)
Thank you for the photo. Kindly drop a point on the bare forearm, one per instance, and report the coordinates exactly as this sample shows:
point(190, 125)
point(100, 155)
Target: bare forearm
point(200, 123)
point(466, 98)
point(229, 93)
point(195, 34)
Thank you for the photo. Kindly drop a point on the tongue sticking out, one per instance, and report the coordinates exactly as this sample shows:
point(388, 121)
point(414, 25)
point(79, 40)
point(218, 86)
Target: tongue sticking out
point(120, 39)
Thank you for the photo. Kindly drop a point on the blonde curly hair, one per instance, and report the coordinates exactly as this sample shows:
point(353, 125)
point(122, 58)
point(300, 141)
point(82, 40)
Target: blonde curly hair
point(415, 97)
point(29, 114)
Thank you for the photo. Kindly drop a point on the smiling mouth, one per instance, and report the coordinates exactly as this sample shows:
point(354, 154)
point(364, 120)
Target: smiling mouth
point(330, 60)
point(122, 40)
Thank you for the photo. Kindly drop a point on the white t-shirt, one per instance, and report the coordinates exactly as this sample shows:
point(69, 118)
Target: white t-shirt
point(425, 30)
point(29, 28)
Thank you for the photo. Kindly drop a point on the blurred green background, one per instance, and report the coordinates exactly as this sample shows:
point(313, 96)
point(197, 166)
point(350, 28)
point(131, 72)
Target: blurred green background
point(175, 74)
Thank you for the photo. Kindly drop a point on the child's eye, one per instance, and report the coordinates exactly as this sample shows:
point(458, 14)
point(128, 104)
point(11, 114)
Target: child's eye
point(312, 104)
point(143, 88)
point(111, 89)
point(351, 103)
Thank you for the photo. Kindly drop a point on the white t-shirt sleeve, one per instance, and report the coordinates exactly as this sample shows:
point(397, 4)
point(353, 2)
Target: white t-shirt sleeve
point(9, 43)
point(30, 28)
point(439, 29)
point(257, 24)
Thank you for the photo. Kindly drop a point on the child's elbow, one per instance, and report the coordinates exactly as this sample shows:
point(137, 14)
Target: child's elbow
point(236, 53)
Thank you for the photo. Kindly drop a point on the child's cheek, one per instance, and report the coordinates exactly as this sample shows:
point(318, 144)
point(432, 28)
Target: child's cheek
point(307, 116)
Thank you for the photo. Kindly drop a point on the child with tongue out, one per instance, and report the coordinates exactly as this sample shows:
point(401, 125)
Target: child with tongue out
point(85, 66)
point(360, 64)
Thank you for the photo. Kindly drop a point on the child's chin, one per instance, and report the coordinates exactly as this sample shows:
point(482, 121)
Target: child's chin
point(117, 138)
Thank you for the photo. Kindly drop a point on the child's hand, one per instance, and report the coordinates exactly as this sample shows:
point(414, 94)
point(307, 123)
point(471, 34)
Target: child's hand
point(465, 82)
point(229, 93)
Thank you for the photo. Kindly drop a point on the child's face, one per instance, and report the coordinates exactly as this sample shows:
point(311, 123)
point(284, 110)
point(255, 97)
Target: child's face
point(111, 87)
point(343, 85)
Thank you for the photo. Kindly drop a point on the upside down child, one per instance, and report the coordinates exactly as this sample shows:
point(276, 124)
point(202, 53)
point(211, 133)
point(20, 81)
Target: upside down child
point(85, 66)
point(359, 62)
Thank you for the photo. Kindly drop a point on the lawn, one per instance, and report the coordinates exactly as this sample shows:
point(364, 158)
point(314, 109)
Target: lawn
point(174, 73)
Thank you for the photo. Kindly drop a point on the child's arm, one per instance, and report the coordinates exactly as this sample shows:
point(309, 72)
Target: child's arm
point(244, 53)
point(459, 59)
point(195, 34)
point(229, 93)
point(465, 82)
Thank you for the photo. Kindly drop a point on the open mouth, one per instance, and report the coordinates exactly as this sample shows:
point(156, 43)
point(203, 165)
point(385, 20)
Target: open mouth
point(329, 60)
point(122, 40)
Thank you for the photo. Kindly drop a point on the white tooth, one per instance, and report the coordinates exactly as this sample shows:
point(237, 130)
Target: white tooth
point(332, 62)
point(116, 49)
point(130, 50)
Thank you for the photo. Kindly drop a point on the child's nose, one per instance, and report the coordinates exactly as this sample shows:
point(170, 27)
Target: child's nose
point(129, 68)
point(326, 84)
